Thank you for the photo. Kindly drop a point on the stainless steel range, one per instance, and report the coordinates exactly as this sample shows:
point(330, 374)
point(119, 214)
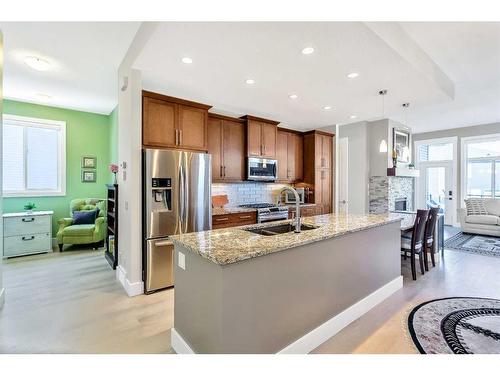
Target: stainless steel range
point(267, 212)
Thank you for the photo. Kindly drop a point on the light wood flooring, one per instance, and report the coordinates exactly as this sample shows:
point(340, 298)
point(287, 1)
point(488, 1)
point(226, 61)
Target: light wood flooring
point(71, 303)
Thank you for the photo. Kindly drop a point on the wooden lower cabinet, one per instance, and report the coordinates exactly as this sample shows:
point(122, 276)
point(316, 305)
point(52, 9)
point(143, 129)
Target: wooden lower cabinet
point(234, 220)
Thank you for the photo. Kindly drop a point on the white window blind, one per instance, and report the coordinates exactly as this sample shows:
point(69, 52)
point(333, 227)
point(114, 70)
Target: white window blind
point(33, 157)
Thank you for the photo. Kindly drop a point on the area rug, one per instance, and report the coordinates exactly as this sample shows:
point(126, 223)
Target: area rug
point(456, 325)
point(473, 243)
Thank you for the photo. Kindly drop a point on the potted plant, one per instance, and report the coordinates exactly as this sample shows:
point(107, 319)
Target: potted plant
point(29, 207)
point(113, 168)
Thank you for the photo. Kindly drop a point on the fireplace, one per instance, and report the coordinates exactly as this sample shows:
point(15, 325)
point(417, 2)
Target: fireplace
point(401, 204)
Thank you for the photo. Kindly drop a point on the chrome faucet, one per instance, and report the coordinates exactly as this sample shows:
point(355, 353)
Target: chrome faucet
point(297, 206)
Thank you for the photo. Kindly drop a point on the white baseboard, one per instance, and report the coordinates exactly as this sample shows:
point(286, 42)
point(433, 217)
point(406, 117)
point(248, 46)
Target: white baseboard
point(2, 297)
point(330, 328)
point(319, 335)
point(179, 345)
point(132, 289)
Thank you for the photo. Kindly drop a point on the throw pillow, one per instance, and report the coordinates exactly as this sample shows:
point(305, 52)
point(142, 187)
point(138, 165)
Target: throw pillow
point(84, 217)
point(475, 206)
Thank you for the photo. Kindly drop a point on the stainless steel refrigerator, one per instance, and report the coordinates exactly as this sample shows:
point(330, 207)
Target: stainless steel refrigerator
point(176, 200)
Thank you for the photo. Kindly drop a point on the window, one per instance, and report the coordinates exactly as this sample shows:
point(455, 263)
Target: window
point(482, 161)
point(436, 152)
point(33, 157)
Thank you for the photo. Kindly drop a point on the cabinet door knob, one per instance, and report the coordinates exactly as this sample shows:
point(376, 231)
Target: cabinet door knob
point(29, 220)
point(28, 238)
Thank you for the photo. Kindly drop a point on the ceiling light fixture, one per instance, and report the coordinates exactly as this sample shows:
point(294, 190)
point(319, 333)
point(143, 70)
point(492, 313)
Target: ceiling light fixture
point(352, 117)
point(307, 50)
point(353, 75)
point(249, 81)
point(293, 96)
point(37, 63)
point(187, 60)
point(44, 98)
point(327, 108)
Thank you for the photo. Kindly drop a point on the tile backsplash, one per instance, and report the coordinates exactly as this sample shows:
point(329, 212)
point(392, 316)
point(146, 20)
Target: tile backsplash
point(248, 192)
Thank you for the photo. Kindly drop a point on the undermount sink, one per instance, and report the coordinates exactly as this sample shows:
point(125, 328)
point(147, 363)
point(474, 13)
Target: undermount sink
point(280, 229)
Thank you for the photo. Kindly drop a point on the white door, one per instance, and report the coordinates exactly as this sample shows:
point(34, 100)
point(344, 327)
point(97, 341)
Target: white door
point(343, 174)
point(436, 187)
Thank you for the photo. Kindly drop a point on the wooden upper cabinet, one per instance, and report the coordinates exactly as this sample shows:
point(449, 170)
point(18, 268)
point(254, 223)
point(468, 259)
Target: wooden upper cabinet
point(215, 147)
point(269, 139)
point(169, 122)
point(254, 137)
point(282, 155)
point(192, 128)
point(296, 156)
point(289, 153)
point(226, 143)
point(261, 137)
point(234, 150)
point(159, 123)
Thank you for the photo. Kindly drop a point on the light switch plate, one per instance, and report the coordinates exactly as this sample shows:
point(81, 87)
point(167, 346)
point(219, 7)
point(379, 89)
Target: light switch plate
point(182, 261)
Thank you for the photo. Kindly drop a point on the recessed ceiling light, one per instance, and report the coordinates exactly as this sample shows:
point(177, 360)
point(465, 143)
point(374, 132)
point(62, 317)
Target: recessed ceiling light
point(308, 50)
point(293, 96)
point(249, 81)
point(44, 98)
point(327, 108)
point(37, 63)
point(353, 75)
point(187, 60)
point(352, 116)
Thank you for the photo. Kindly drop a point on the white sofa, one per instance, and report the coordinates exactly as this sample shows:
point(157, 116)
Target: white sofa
point(485, 223)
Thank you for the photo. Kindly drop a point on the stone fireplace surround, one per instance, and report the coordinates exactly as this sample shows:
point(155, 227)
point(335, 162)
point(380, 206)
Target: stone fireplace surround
point(384, 190)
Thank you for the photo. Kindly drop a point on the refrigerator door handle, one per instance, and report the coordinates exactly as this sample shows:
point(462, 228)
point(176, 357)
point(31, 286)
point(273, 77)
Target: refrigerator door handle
point(186, 198)
point(163, 243)
point(181, 199)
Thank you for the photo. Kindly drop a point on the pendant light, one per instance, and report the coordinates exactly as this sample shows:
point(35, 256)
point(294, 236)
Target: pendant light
point(383, 142)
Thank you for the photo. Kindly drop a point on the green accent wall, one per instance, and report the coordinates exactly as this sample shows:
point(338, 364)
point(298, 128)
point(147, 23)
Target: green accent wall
point(86, 134)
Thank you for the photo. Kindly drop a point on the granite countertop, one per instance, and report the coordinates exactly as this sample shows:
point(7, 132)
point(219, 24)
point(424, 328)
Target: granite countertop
point(231, 210)
point(231, 245)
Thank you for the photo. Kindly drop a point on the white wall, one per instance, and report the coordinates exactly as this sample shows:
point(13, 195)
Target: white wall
point(129, 271)
point(2, 295)
point(358, 165)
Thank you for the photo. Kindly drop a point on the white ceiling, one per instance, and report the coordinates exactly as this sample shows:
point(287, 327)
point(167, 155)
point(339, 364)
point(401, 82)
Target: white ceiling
point(226, 54)
point(84, 56)
point(469, 53)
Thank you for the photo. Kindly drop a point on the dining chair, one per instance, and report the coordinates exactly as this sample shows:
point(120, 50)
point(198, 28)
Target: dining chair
point(430, 236)
point(414, 242)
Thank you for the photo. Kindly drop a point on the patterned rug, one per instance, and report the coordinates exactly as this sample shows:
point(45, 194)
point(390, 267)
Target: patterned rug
point(473, 243)
point(456, 325)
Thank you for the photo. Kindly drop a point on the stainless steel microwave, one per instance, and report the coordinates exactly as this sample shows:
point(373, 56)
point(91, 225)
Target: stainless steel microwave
point(290, 197)
point(259, 169)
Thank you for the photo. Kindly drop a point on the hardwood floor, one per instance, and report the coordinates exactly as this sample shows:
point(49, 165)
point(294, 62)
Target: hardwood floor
point(71, 303)
point(383, 329)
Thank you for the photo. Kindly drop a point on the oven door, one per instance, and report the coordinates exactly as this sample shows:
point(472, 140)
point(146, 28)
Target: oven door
point(261, 169)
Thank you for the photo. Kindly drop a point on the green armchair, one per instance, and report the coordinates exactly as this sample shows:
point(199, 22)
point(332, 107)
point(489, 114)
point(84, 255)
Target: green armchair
point(69, 234)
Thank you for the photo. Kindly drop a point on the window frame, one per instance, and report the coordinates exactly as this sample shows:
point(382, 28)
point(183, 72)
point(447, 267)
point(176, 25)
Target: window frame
point(475, 139)
point(39, 123)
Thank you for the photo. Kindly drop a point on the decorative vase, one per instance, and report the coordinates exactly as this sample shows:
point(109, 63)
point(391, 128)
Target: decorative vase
point(115, 177)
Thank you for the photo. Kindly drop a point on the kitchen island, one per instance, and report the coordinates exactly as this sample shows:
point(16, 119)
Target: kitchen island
point(238, 291)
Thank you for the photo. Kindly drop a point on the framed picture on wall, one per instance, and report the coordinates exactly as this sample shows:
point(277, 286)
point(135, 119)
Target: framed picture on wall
point(88, 176)
point(401, 144)
point(89, 162)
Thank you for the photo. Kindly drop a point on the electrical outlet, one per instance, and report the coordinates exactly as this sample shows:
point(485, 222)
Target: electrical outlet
point(182, 261)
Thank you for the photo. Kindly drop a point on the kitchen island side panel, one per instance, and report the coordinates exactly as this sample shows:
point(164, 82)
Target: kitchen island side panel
point(268, 302)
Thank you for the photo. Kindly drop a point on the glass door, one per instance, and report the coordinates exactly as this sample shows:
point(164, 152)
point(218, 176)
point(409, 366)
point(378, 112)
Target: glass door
point(437, 189)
